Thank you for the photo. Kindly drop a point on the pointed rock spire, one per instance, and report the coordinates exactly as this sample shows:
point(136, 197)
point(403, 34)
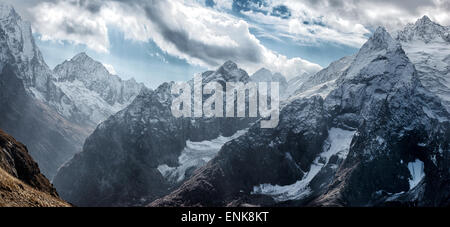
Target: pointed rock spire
point(381, 39)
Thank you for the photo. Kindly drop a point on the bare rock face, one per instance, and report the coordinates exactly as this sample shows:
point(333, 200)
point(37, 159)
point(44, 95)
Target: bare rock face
point(21, 182)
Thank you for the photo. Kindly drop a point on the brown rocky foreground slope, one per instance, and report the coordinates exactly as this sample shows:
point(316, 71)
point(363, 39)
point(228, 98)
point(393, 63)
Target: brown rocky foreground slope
point(21, 182)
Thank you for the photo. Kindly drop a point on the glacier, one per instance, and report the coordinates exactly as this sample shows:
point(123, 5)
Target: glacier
point(196, 155)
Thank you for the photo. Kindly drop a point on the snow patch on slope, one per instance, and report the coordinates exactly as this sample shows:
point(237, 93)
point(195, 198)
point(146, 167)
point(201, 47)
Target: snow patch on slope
point(338, 143)
point(322, 90)
point(427, 45)
point(195, 155)
point(93, 93)
point(416, 169)
point(88, 102)
point(432, 61)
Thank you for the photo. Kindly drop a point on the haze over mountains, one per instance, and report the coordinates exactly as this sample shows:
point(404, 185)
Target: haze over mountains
point(371, 129)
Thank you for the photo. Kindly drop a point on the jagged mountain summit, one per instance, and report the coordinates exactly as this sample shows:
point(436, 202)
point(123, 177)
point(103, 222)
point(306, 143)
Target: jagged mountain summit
point(228, 72)
point(143, 152)
point(424, 30)
point(378, 137)
point(427, 44)
point(18, 48)
point(94, 92)
point(21, 182)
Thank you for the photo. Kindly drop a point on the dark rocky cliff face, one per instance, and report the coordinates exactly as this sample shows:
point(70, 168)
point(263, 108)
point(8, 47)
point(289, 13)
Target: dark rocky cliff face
point(279, 156)
point(16, 161)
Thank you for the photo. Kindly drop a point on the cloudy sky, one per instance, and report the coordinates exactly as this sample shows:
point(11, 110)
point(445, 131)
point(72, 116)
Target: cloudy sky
point(158, 40)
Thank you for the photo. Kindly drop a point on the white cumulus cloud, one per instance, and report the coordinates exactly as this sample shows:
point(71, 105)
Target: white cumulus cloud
point(185, 29)
point(110, 68)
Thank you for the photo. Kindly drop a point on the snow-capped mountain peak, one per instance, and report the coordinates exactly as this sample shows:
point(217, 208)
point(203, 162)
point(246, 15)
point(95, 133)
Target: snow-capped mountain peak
point(228, 72)
point(92, 69)
point(96, 93)
point(380, 40)
point(6, 10)
point(83, 58)
point(425, 20)
point(230, 65)
point(19, 38)
point(427, 44)
point(17, 46)
point(374, 53)
point(424, 30)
